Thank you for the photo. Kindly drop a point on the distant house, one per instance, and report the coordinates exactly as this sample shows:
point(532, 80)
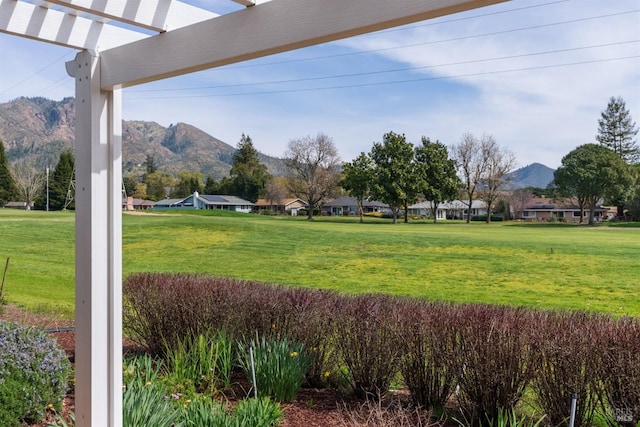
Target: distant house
point(133, 204)
point(205, 201)
point(454, 209)
point(566, 209)
point(18, 205)
point(289, 206)
point(347, 206)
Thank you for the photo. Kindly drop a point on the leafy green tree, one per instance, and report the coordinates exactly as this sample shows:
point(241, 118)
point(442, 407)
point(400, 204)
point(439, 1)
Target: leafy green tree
point(8, 189)
point(616, 130)
point(634, 203)
point(158, 185)
point(129, 182)
point(211, 186)
point(592, 172)
point(313, 166)
point(188, 183)
point(437, 178)
point(356, 179)
point(248, 175)
point(394, 175)
point(60, 182)
point(150, 164)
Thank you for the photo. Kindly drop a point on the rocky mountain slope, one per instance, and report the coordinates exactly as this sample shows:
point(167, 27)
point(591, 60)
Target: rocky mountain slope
point(38, 129)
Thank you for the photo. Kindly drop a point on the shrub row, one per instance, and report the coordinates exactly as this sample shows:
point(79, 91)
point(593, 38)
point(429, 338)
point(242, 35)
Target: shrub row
point(484, 356)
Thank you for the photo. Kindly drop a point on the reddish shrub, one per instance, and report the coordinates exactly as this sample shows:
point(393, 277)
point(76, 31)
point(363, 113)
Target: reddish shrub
point(620, 370)
point(367, 340)
point(497, 359)
point(569, 347)
point(430, 348)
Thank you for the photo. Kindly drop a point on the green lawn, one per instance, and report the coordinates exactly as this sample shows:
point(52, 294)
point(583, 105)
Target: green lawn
point(554, 266)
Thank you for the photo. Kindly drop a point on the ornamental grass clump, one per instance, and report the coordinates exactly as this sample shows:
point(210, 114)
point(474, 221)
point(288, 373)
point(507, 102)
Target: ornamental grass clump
point(254, 412)
point(280, 366)
point(145, 400)
point(34, 372)
point(202, 363)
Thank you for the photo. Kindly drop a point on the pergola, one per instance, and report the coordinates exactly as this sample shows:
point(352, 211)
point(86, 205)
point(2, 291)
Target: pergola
point(123, 43)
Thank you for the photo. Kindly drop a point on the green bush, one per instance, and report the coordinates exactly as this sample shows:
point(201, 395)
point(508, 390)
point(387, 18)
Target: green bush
point(33, 362)
point(280, 366)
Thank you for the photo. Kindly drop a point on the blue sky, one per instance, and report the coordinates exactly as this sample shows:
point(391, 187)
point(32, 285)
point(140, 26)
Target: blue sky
point(534, 74)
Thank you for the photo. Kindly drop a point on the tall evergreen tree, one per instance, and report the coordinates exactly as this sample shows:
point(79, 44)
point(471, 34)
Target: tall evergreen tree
point(60, 181)
point(616, 130)
point(8, 189)
point(248, 175)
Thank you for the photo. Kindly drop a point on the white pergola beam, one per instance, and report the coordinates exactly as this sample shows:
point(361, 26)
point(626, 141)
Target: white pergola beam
point(156, 15)
point(245, 2)
point(54, 26)
point(98, 159)
point(264, 29)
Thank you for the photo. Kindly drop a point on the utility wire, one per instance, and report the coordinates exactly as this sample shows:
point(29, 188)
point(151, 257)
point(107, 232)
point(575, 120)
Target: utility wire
point(361, 52)
point(396, 70)
point(541, 67)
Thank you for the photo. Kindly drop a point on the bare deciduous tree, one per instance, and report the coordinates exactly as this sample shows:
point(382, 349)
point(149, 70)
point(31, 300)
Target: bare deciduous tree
point(313, 165)
point(499, 161)
point(29, 181)
point(518, 200)
point(470, 157)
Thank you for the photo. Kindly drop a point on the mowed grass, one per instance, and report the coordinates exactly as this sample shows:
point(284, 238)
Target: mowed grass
point(550, 266)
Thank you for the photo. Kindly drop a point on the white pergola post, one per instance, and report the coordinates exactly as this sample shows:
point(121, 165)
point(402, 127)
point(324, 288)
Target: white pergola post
point(98, 163)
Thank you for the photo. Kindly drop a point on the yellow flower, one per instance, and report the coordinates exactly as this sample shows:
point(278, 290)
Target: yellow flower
point(50, 406)
point(327, 374)
point(148, 383)
point(293, 354)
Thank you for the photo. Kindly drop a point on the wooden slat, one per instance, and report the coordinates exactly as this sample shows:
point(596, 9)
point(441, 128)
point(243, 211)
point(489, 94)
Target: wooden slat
point(264, 29)
point(156, 15)
point(53, 26)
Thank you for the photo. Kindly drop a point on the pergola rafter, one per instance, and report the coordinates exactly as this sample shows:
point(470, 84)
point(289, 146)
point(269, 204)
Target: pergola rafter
point(128, 42)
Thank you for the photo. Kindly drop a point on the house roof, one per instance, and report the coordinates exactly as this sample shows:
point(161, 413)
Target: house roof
point(560, 204)
point(352, 201)
point(283, 202)
point(168, 202)
point(453, 204)
point(217, 199)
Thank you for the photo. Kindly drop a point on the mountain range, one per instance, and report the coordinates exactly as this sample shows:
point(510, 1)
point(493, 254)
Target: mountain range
point(38, 129)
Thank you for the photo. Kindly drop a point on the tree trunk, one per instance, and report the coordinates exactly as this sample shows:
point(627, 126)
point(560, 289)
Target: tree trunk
point(469, 210)
point(620, 212)
point(406, 213)
point(360, 208)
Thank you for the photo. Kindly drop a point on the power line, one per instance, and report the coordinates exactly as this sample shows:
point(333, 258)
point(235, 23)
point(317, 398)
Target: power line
point(365, 73)
point(541, 67)
point(513, 30)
